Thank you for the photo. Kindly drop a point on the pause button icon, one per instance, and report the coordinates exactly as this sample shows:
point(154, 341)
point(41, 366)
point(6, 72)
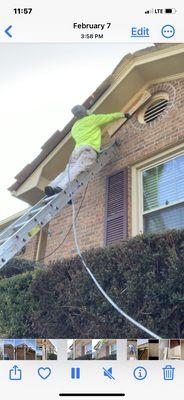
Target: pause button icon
point(75, 373)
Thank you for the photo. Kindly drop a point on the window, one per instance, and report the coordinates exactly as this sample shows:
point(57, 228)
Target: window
point(88, 348)
point(112, 349)
point(163, 195)
point(39, 352)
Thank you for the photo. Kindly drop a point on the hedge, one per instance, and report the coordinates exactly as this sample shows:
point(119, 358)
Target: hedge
point(16, 267)
point(143, 275)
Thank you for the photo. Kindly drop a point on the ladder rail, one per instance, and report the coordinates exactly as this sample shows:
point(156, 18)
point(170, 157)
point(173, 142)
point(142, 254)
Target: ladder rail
point(50, 208)
point(15, 243)
point(7, 231)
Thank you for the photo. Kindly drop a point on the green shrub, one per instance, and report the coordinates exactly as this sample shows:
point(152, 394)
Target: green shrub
point(52, 357)
point(16, 306)
point(143, 275)
point(16, 267)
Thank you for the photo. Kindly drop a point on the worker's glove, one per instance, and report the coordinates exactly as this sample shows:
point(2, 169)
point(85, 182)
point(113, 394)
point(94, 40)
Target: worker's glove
point(127, 116)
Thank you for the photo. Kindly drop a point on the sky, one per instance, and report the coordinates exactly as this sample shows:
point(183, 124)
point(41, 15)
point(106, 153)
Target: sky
point(39, 84)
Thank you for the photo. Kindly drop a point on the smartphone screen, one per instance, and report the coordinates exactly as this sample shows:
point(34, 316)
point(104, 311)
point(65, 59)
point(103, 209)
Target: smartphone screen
point(92, 200)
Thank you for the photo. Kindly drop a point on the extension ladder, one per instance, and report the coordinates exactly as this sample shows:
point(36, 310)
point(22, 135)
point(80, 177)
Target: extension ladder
point(16, 235)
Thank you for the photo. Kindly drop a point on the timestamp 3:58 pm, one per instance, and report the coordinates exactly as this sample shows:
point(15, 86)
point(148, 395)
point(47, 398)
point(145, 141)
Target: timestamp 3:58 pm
point(92, 36)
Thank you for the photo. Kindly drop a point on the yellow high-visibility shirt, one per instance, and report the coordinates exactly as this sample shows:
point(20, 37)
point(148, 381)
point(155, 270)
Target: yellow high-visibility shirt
point(87, 130)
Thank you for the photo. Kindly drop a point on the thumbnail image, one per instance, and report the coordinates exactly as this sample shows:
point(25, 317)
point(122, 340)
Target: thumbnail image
point(143, 349)
point(175, 349)
point(1, 350)
point(9, 349)
point(46, 349)
point(171, 349)
point(164, 349)
point(182, 349)
point(132, 349)
point(79, 349)
point(153, 349)
point(91, 349)
point(25, 349)
point(28, 349)
point(104, 349)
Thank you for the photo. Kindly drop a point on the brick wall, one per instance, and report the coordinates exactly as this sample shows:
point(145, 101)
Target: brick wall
point(30, 249)
point(79, 347)
point(140, 141)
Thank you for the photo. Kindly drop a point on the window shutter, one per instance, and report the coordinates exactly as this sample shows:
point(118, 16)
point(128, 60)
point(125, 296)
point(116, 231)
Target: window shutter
point(116, 221)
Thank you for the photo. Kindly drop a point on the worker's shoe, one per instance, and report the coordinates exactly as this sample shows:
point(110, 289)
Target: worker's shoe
point(50, 191)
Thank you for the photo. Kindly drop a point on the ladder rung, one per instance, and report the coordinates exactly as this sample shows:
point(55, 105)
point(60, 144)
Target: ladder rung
point(35, 210)
point(19, 225)
point(47, 199)
point(4, 240)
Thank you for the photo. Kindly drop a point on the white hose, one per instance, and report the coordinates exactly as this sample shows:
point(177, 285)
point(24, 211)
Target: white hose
point(113, 304)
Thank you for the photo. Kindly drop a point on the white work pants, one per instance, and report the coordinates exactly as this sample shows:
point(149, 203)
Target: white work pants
point(81, 158)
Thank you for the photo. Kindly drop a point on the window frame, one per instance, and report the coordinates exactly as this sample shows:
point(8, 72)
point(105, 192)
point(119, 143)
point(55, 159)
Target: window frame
point(137, 186)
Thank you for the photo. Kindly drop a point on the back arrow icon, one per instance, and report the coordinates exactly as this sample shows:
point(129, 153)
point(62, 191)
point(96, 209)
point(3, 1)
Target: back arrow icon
point(7, 31)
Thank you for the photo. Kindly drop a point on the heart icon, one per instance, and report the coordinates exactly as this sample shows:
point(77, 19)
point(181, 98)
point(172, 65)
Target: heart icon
point(44, 373)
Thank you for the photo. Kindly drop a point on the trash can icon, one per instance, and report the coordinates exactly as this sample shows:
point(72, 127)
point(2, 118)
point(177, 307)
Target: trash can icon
point(168, 371)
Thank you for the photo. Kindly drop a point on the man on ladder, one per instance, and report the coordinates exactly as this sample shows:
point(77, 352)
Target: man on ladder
point(86, 133)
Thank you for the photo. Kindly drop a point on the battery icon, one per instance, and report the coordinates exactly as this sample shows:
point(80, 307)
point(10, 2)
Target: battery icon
point(170, 10)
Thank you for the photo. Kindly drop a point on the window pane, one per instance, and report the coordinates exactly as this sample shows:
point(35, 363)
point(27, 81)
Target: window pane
point(168, 218)
point(88, 348)
point(163, 184)
point(113, 348)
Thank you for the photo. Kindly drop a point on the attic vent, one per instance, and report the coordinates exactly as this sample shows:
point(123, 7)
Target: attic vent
point(154, 108)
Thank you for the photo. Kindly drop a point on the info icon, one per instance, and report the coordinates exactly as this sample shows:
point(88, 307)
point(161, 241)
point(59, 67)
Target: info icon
point(140, 373)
